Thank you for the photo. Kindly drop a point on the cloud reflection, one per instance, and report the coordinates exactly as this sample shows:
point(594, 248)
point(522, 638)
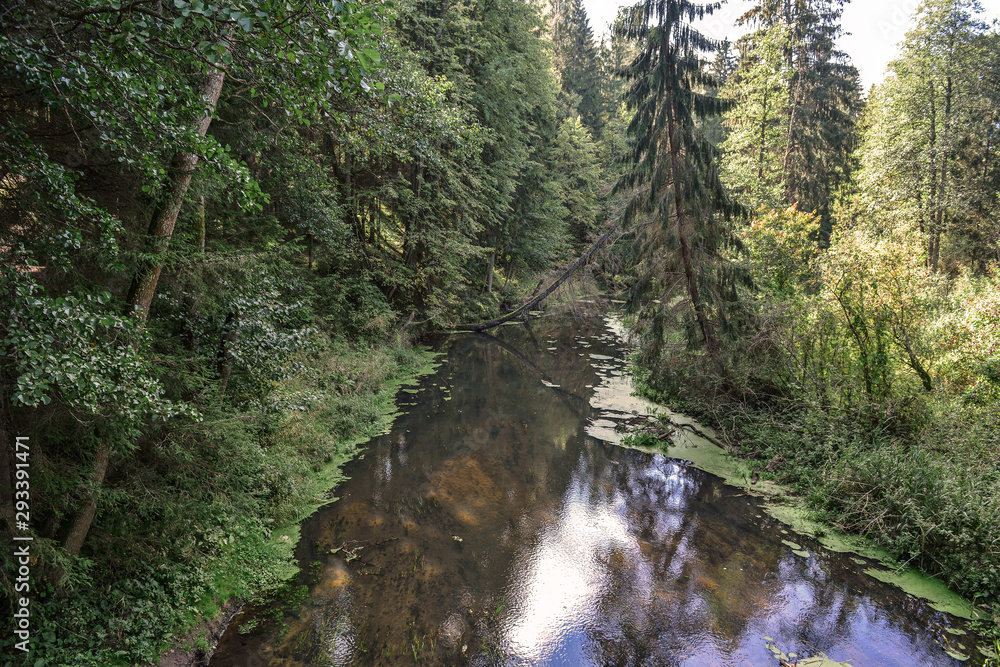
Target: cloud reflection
point(577, 563)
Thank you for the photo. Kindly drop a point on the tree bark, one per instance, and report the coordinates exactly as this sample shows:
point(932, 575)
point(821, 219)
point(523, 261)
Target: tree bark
point(413, 249)
point(925, 377)
point(692, 280)
point(933, 198)
point(85, 517)
point(942, 192)
point(161, 227)
point(190, 300)
point(200, 224)
point(786, 173)
point(763, 140)
point(489, 273)
point(140, 295)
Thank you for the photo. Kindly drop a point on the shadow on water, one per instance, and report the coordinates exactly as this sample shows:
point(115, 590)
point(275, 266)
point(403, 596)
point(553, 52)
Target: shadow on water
point(489, 528)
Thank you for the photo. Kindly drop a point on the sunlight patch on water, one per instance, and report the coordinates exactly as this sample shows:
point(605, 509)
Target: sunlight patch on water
point(565, 576)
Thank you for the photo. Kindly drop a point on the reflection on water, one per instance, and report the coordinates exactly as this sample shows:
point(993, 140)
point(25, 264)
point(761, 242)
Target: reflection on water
point(496, 526)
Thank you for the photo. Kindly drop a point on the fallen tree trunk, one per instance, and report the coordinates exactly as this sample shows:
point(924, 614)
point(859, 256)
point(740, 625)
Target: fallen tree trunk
point(535, 300)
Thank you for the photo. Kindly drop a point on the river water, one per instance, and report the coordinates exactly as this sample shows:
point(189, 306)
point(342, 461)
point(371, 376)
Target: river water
point(498, 524)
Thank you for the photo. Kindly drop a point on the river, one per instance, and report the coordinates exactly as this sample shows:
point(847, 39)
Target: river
point(499, 524)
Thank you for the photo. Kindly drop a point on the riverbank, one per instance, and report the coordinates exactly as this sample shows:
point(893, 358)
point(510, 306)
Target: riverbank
point(356, 390)
point(911, 501)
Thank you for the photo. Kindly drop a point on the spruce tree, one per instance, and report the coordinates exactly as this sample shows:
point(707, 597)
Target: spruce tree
point(678, 198)
point(578, 60)
point(824, 100)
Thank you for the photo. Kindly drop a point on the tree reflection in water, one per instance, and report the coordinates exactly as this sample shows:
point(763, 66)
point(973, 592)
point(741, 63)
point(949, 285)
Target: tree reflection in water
point(490, 528)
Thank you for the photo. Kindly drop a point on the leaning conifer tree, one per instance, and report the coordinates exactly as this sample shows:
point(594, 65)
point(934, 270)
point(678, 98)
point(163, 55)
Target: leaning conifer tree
point(678, 200)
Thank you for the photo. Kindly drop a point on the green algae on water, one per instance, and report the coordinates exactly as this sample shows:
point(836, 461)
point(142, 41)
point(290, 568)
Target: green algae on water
point(925, 586)
point(908, 579)
point(820, 660)
point(957, 655)
point(800, 520)
point(706, 456)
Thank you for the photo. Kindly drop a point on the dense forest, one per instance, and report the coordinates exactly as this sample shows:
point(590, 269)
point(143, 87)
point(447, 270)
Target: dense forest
point(221, 223)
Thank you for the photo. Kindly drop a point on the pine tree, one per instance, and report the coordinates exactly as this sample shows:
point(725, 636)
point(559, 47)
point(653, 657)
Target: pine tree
point(679, 199)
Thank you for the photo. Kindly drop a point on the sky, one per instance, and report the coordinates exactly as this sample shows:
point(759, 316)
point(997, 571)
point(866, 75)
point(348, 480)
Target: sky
point(875, 27)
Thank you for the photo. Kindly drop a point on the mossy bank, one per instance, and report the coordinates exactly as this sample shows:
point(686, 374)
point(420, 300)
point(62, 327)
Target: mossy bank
point(217, 520)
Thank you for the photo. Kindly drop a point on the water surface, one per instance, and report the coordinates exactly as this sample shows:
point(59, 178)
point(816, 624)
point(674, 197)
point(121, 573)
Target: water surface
point(497, 525)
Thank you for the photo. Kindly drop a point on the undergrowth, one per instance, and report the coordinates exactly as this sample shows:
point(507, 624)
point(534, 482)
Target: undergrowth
point(193, 524)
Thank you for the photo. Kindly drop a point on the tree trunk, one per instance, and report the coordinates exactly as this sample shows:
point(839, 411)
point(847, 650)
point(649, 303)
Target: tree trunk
point(489, 274)
point(763, 141)
point(140, 295)
point(190, 300)
point(943, 192)
point(932, 200)
point(161, 227)
point(692, 280)
point(506, 280)
point(413, 249)
point(230, 334)
point(534, 300)
point(790, 194)
point(925, 377)
point(85, 517)
point(921, 219)
point(200, 224)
